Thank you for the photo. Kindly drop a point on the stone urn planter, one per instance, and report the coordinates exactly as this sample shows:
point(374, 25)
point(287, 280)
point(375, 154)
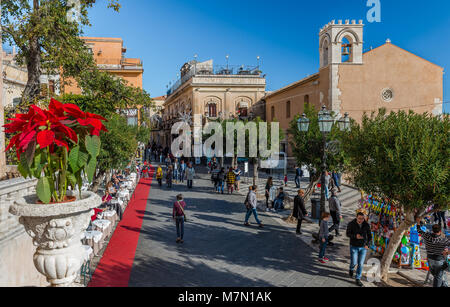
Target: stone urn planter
point(56, 232)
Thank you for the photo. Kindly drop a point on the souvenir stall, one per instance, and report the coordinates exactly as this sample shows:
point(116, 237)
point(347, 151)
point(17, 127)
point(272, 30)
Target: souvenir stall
point(384, 218)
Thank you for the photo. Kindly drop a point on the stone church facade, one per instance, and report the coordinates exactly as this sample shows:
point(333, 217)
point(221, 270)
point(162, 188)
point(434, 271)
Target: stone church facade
point(352, 81)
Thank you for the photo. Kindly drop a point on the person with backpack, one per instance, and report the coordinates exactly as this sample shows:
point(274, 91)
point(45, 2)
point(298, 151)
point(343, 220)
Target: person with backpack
point(360, 236)
point(251, 204)
point(159, 175)
point(179, 216)
point(221, 180)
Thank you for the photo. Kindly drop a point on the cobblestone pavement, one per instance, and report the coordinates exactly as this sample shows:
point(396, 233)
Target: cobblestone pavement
point(219, 250)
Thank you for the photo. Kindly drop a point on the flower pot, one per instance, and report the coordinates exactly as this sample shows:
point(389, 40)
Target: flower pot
point(56, 231)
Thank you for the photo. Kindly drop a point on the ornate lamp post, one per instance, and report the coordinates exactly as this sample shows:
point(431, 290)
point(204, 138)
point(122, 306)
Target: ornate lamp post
point(326, 122)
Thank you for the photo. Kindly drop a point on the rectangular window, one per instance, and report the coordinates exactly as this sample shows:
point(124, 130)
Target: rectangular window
point(273, 113)
point(288, 109)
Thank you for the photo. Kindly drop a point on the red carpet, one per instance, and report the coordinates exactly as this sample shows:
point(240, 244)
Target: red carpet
point(115, 266)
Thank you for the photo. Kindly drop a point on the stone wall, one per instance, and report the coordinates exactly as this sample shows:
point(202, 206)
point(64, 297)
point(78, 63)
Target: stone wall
point(16, 248)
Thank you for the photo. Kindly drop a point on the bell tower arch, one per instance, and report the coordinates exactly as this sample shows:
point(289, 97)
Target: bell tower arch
point(341, 43)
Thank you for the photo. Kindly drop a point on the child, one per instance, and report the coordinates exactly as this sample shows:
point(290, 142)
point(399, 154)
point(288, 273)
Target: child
point(159, 175)
point(323, 237)
point(285, 180)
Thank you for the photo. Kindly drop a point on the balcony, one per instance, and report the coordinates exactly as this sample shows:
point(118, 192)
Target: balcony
point(120, 64)
point(217, 70)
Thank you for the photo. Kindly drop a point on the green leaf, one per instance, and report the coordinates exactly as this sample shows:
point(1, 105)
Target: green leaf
point(43, 190)
point(83, 158)
point(93, 145)
point(91, 168)
point(72, 180)
point(23, 167)
point(73, 158)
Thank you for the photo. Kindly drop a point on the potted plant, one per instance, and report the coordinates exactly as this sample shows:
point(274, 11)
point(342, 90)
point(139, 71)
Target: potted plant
point(58, 146)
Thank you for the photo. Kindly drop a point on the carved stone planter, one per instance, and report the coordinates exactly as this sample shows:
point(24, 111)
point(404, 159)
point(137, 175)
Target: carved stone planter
point(56, 230)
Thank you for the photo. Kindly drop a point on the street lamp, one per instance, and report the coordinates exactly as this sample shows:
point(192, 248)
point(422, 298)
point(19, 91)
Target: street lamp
point(326, 122)
point(303, 123)
point(344, 123)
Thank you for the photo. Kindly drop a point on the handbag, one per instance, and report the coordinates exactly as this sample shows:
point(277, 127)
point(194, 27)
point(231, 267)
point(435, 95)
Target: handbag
point(182, 210)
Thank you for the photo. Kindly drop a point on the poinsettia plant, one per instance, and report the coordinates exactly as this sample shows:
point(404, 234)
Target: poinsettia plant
point(58, 146)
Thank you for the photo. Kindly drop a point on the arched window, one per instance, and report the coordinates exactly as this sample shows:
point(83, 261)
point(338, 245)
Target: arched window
point(346, 50)
point(325, 53)
point(212, 109)
point(288, 109)
point(273, 113)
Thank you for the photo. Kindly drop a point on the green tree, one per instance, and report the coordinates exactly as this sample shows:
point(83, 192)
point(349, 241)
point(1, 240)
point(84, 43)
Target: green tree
point(108, 96)
point(250, 142)
point(403, 157)
point(47, 40)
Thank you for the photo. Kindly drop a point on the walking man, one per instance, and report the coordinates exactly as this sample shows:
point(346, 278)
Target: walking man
point(360, 236)
point(298, 176)
point(178, 214)
point(437, 251)
point(251, 204)
point(335, 211)
point(299, 210)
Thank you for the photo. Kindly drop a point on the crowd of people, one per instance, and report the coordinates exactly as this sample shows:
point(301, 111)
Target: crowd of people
point(358, 231)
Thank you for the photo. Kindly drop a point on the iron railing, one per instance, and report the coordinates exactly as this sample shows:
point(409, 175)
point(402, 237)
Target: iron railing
point(216, 70)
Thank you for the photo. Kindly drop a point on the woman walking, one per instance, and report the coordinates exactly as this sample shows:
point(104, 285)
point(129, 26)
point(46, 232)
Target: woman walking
point(190, 174)
point(179, 216)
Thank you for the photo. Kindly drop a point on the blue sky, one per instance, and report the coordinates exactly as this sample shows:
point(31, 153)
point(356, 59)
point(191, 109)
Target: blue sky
point(167, 33)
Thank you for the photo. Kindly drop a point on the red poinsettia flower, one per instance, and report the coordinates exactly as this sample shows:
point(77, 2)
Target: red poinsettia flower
point(86, 119)
point(42, 127)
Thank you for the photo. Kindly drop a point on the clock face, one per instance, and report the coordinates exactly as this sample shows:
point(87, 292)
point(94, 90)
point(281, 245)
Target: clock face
point(387, 95)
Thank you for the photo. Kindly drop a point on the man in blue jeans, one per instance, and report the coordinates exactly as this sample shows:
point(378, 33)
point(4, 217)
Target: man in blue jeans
point(360, 236)
point(251, 203)
point(437, 251)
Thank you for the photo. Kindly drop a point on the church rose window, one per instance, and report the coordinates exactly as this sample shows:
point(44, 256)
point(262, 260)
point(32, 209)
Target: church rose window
point(387, 95)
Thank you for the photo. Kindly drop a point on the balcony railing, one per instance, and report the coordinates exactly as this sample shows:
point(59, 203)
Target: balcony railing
point(122, 63)
point(217, 70)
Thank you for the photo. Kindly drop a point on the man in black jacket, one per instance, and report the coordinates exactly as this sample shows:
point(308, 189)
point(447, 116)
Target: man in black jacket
point(360, 236)
point(299, 210)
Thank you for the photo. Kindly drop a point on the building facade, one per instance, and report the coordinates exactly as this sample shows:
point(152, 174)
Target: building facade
point(156, 120)
point(109, 55)
point(354, 82)
point(214, 92)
